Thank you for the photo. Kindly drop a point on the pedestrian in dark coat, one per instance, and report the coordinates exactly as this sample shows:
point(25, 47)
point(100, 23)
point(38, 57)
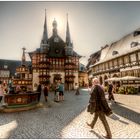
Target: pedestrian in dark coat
point(110, 92)
point(77, 89)
point(100, 107)
point(39, 89)
point(46, 91)
point(1, 92)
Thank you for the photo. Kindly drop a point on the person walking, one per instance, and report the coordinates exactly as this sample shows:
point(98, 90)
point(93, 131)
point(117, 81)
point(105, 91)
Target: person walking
point(39, 89)
point(56, 93)
point(5, 88)
point(1, 92)
point(110, 92)
point(100, 107)
point(61, 91)
point(46, 91)
point(18, 89)
point(77, 89)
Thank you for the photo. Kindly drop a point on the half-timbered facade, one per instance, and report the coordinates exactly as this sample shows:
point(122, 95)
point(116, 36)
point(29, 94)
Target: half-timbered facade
point(4, 74)
point(83, 76)
point(23, 77)
point(119, 59)
point(55, 59)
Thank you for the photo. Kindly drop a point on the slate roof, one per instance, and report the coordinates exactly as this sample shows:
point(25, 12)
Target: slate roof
point(93, 58)
point(12, 65)
point(76, 54)
point(53, 54)
point(82, 67)
point(60, 45)
point(120, 47)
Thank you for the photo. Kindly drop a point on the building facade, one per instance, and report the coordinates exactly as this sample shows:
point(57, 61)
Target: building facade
point(91, 61)
point(55, 59)
point(83, 76)
point(4, 74)
point(119, 59)
point(23, 77)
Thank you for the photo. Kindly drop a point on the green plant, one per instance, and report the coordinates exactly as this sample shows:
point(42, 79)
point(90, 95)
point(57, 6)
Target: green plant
point(121, 90)
point(132, 90)
point(105, 88)
point(128, 90)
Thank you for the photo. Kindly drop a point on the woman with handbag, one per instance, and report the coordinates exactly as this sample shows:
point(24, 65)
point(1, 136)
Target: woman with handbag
point(56, 95)
point(99, 106)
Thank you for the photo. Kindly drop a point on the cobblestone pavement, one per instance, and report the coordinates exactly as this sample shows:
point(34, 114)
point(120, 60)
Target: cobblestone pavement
point(68, 119)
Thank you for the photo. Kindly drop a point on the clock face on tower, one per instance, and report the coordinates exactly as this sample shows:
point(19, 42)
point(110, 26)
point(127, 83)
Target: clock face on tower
point(56, 47)
point(56, 39)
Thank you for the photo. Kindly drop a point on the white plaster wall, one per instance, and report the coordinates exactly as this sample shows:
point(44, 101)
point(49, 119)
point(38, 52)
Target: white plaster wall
point(35, 79)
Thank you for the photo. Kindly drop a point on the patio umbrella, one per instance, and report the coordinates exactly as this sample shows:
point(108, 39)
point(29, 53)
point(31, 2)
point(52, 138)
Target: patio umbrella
point(113, 79)
point(127, 78)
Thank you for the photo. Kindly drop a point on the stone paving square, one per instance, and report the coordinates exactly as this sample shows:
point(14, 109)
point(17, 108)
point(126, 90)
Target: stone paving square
point(67, 119)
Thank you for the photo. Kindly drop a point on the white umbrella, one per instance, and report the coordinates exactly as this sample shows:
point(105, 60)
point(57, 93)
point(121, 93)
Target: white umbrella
point(127, 78)
point(90, 76)
point(113, 79)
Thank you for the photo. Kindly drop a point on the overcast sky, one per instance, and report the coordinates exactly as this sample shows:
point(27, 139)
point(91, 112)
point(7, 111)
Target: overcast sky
point(92, 24)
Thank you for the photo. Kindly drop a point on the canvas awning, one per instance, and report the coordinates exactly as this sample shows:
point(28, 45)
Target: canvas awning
point(113, 79)
point(90, 76)
point(127, 78)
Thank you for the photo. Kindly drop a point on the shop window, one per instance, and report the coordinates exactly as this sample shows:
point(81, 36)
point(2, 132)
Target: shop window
point(133, 57)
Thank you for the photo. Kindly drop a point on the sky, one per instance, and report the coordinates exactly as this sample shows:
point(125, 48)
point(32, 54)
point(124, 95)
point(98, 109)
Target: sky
point(92, 24)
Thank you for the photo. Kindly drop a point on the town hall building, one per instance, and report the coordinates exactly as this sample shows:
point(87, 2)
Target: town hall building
point(55, 59)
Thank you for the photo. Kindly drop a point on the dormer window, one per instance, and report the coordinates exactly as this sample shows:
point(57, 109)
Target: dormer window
point(5, 66)
point(134, 44)
point(115, 52)
point(136, 33)
point(113, 43)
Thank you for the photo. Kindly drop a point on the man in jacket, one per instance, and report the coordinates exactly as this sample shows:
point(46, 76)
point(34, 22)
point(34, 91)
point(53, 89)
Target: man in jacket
point(39, 89)
point(100, 106)
point(110, 92)
point(61, 90)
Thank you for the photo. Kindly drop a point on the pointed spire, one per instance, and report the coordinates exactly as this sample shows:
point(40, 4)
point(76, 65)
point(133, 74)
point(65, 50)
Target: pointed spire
point(68, 39)
point(45, 33)
point(23, 57)
point(54, 24)
point(69, 45)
